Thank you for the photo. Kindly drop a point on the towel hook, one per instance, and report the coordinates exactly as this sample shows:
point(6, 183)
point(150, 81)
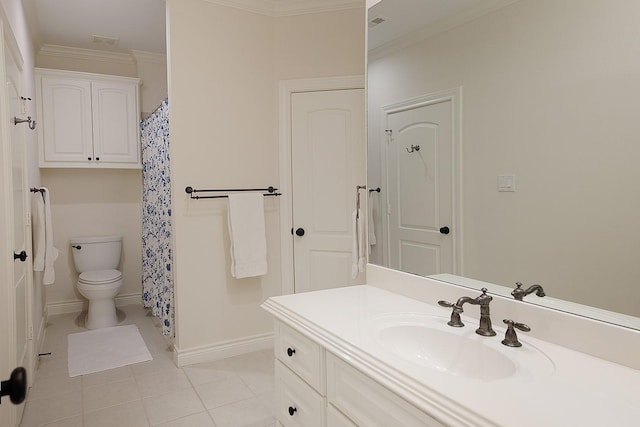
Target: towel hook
point(413, 148)
point(32, 123)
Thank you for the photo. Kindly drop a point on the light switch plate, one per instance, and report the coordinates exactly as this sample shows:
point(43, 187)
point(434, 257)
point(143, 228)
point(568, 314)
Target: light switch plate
point(506, 183)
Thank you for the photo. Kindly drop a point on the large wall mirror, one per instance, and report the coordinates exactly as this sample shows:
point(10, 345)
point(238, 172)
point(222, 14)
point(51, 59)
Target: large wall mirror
point(527, 118)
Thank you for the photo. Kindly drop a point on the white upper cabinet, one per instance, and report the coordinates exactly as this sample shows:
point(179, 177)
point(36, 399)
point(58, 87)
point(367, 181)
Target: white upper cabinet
point(88, 120)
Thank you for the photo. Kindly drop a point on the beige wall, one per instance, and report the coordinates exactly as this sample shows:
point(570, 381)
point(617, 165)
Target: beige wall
point(98, 202)
point(224, 70)
point(320, 45)
point(152, 70)
point(548, 95)
point(94, 203)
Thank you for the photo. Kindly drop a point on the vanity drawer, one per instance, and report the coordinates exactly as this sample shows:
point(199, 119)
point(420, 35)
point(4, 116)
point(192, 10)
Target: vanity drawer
point(297, 404)
point(301, 355)
point(368, 403)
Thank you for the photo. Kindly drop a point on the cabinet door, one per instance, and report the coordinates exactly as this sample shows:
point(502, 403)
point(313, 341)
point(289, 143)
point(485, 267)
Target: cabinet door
point(66, 115)
point(115, 122)
point(366, 402)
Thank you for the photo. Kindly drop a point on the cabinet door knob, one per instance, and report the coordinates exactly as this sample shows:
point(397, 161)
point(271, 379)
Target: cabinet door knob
point(292, 410)
point(88, 158)
point(98, 158)
point(291, 351)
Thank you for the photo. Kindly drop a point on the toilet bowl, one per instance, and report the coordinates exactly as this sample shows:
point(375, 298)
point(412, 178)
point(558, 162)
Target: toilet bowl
point(97, 259)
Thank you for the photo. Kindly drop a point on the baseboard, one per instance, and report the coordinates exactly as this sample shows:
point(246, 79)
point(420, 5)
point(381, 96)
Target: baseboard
point(210, 353)
point(77, 306)
point(38, 341)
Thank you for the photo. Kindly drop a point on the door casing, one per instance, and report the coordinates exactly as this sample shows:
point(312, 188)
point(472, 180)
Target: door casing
point(286, 88)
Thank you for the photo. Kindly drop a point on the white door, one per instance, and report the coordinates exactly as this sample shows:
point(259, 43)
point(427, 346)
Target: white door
point(15, 293)
point(327, 156)
point(419, 172)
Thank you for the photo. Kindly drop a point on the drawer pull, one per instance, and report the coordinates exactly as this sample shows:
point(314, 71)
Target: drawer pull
point(292, 410)
point(291, 351)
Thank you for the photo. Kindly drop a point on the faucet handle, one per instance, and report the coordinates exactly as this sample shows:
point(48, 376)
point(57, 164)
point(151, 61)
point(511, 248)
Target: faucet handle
point(455, 320)
point(510, 337)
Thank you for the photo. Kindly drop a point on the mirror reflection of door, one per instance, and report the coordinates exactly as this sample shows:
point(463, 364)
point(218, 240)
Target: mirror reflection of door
point(327, 162)
point(419, 175)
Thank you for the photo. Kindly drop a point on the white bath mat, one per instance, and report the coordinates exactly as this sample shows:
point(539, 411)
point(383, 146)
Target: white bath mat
point(105, 348)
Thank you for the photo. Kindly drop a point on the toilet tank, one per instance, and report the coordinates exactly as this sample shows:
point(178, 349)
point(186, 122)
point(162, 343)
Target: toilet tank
point(96, 253)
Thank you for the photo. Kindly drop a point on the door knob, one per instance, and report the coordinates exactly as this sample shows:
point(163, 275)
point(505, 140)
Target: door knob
point(444, 230)
point(22, 256)
point(300, 232)
point(15, 386)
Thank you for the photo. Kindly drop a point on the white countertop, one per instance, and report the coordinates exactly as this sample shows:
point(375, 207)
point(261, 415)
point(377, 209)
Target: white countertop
point(566, 388)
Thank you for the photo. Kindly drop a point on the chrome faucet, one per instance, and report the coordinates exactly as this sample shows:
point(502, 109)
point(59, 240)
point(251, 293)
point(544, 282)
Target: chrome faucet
point(519, 293)
point(483, 301)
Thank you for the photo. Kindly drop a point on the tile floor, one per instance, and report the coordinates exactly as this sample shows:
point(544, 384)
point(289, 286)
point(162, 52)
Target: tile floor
point(234, 392)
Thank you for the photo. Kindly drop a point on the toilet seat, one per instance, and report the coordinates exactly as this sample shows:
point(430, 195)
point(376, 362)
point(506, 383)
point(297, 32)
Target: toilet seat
point(100, 277)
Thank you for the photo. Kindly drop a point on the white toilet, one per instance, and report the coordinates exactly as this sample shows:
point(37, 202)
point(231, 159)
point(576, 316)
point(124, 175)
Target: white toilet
point(97, 260)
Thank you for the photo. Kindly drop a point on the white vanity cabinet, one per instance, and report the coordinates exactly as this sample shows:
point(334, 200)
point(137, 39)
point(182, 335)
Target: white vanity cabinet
point(370, 358)
point(87, 120)
point(300, 379)
point(315, 388)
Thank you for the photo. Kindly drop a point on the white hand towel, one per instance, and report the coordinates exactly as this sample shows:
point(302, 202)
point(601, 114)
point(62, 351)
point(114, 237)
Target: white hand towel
point(362, 260)
point(354, 244)
point(358, 259)
point(248, 236)
point(370, 223)
point(37, 224)
point(45, 253)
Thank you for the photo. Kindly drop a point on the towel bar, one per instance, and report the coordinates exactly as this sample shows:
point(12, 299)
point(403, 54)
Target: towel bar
point(270, 191)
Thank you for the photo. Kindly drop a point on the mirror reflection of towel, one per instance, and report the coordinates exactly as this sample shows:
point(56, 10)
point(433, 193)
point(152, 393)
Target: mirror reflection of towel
point(371, 228)
point(358, 259)
point(248, 236)
point(44, 253)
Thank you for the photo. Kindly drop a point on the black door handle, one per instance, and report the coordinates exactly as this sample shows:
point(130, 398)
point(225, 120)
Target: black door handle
point(15, 386)
point(300, 232)
point(22, 256)
point(444, 230)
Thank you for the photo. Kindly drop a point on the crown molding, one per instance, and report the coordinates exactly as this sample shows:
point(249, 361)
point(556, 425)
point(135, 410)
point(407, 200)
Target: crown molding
point(85, 54)
point(279, 8)
point(155, 58)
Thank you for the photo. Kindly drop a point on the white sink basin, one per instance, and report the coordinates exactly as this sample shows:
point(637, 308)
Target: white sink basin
point(428, 342)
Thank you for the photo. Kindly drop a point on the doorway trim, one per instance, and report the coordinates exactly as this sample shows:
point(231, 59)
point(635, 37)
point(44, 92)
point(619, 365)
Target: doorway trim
point(286, 88)
point(455, 97)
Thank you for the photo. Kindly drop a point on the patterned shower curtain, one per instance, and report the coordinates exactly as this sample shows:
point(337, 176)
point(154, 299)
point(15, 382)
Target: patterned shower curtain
point(157, 274)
